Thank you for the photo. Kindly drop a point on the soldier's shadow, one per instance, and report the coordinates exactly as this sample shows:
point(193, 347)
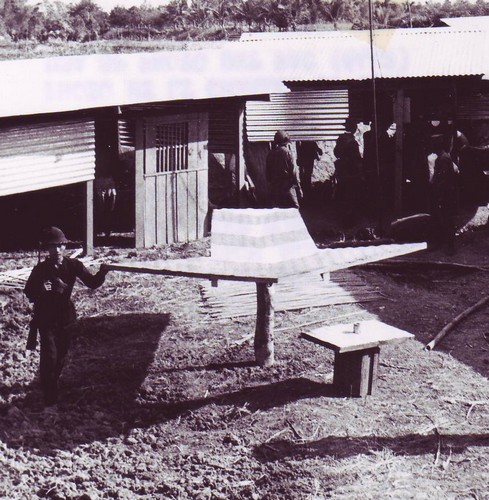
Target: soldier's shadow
point(109, 359)
point(107, 364)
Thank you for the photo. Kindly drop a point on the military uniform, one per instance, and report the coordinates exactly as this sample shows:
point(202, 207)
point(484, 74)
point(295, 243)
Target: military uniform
point(54, 312)
point(282, 174)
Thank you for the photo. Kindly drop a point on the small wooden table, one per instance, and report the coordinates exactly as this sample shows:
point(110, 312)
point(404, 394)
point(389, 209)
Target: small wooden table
point(356, 358)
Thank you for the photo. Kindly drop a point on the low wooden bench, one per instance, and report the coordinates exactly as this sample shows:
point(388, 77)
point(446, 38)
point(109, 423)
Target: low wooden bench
point(356, 358)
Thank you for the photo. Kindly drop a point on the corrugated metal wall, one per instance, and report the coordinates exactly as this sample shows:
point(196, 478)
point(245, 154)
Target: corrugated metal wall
point(474, 106)
point(46, 155)
point(306, 115)
point(127, 133)
point(223, 130)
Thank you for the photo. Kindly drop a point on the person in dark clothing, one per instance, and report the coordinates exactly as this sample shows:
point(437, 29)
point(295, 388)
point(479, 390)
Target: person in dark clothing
point(49, 287)
point(282, 173)
point(307, 153)
point(379, 184)
point(459, 144)
point(348, 171)
point(444, 193)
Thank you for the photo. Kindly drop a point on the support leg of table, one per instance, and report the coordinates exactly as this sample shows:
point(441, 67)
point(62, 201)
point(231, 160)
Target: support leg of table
point(265, 320)
point(355, 373)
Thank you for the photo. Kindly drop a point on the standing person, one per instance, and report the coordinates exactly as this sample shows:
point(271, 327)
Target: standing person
point(282, 173)
point(49, 287)
point(444, 193)
point(106, 197)
point(348, 171)
point(307, 153)
point(459, 144)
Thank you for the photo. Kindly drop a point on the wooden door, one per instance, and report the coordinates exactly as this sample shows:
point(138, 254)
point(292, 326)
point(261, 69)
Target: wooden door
point(171, 179)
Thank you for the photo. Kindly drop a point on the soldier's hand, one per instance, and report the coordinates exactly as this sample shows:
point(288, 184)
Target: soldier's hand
point(59, 286)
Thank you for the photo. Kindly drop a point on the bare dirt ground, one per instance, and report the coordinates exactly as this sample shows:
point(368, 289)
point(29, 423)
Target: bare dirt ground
point(160, 401)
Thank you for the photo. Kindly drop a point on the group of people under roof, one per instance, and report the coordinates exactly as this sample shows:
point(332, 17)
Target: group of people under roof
point(366, 182)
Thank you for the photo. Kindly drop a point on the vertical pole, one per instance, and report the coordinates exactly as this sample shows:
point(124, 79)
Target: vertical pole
point(265, 321)
point(88, 240)
point(399, 119)
point(379, 194)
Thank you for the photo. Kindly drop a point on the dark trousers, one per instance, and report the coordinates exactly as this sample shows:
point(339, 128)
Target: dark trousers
point(444, 216)
point(352, 199)
point(55, 342)
point(285, 198)
point(307, 169)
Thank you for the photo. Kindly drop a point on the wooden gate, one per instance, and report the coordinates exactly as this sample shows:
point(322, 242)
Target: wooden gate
point(171, 179)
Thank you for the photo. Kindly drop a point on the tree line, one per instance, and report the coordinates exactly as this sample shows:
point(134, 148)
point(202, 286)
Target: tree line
point(214, 19)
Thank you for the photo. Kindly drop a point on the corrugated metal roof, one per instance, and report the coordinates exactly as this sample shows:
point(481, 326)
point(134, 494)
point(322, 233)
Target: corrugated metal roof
point(56, 84)
point(400, 53)
point(239, 69)
point(473, 22)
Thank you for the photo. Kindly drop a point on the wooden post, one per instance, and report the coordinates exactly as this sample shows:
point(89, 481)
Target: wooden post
point(355, 373)
point(240, 159)
point(140, 185)
point(265, 320)
point(88, 240)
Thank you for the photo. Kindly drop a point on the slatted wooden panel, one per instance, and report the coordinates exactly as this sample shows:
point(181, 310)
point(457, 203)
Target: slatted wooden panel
point(174, 182)
point(473, 106)
point(234, 299)
point(223, 129)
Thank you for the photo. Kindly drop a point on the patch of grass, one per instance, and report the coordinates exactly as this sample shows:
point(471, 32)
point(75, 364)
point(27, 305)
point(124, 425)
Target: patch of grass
point(32, 49)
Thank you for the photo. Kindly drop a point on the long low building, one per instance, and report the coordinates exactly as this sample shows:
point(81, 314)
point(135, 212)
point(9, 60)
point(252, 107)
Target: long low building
point(65, 120)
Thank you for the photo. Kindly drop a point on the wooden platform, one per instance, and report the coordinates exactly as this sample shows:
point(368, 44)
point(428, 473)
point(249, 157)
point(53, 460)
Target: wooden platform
point(356, 354)
point(264, 246)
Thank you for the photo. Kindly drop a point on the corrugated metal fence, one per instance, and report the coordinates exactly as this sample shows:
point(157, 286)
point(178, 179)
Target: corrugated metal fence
point(305, 115)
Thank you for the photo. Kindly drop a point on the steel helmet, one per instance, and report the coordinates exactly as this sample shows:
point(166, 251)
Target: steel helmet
point(281, 137)
point(53, 236)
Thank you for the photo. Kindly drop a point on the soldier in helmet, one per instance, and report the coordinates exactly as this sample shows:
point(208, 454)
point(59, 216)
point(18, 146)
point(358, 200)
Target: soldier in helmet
point(49, 287)
point(282, 173)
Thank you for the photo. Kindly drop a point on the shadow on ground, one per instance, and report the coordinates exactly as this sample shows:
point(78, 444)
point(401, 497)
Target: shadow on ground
point(107, 364)
point(340, 447)
point(102, 395)
point(262, 397)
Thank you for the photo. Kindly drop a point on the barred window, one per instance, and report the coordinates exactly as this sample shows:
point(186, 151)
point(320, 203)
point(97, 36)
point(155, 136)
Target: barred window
point(172, 147)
